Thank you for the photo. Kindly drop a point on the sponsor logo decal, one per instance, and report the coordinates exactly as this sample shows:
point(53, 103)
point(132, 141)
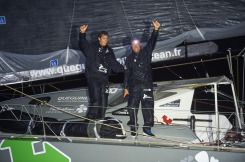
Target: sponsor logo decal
point(78, 110)
point(203, 157)
point(175, 103)
point(53, 71)
point(111, 90)
point(102, 69)
point(175, 53)
point(72, 99)
point(100, 49)
point(200, 157)
point(122, 60)
point(57, 70)
point(166, 119)
point(54, 63)
point(6, 108)
point(145, 96)
point(2, 20)
point(122, 112)
point(26, 149)
point(81, 109)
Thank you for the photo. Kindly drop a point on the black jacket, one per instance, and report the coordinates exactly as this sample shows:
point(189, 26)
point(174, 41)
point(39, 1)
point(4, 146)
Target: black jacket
point(99, 60)
point(137, 66)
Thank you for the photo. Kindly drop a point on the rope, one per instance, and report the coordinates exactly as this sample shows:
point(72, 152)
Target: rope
point(73, 11)
point(195, 62)
point(196, 70)
point(82, 117)
point(193, 21)
point(127, 19)
point(177, 8)
point(201, 145)
point(149, 143)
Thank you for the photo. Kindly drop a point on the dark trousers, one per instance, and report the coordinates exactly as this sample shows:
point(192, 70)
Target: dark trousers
point(141, 93)
point(98, 98)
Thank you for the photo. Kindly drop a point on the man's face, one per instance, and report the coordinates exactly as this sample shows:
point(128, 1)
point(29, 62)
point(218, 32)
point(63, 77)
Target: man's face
point(103, 40)
point(135, 45)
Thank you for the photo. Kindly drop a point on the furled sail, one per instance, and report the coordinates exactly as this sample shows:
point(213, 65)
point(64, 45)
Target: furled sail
point(39, 39)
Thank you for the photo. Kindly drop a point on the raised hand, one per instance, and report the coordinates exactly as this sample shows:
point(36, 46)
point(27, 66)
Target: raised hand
point(156, 25)
point(83, 28)
point(125, 93)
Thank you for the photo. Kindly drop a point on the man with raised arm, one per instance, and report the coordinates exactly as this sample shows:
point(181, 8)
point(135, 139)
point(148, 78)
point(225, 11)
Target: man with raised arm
point(100, 60)
point(138, 82)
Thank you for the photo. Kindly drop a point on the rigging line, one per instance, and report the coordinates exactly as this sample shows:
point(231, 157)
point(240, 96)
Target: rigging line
point(196, 70)
point(220, 93)
point(243, 79)
point(175, 73)
point(40, 87)
point(179, 144)
point(229, 60)
point(33, 90)
point(206, 72)
point(5, 63)
point(176, 65)
point(241, 52)
point(160, 138)
point(126, 18)
point(189, 13)
point(238, 92)
point(54, 87)
point(193, 21)
point(78, 116)
point(148, 18)
point(221, 106)
point(177, 8)
point(82, 117)
point(69, 37)
point(225, 98)
point(238, 76)
point(73, 11)
point(37, 85)
point(225, 95)
point(55, 107)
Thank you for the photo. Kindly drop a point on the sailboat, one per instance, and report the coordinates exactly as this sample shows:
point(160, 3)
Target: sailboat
point(178, 135)
point(43, 119)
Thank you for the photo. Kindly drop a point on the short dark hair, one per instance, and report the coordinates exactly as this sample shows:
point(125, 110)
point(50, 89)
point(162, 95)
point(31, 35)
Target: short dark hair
point(102, 33)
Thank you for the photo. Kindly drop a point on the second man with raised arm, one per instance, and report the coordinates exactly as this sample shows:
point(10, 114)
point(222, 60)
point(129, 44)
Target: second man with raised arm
point(138, 82)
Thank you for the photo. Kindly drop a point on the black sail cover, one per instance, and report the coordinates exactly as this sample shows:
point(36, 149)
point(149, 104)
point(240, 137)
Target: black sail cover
point(16, 121)
point(39, 39)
